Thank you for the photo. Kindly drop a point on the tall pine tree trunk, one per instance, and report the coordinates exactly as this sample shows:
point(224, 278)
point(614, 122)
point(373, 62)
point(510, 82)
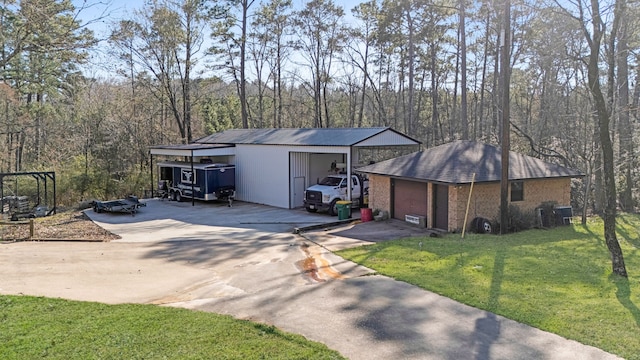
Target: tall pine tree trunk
point(603, 116)
point(625, 136)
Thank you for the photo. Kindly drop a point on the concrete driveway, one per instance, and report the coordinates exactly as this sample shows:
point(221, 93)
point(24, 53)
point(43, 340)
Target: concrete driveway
point(245, 261)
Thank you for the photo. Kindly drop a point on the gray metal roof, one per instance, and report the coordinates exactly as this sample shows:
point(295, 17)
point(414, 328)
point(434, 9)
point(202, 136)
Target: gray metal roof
point(191, 146)
point(455, 163)
point(298, 137)
point(192, 149)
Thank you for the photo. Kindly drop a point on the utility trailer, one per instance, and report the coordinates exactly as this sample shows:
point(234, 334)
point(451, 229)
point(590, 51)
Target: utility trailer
point(201, 181)
point(130, 205)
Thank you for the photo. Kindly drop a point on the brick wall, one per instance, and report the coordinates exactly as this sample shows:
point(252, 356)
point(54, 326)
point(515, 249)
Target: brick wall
point(380, 192)
point(485, 201)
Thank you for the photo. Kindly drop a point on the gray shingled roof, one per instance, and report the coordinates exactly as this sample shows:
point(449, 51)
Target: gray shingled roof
point(455, 163)
point(295, 137)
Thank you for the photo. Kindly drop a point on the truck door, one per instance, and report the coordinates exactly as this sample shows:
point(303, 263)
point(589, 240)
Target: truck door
point(343, 188)
point(355, 187)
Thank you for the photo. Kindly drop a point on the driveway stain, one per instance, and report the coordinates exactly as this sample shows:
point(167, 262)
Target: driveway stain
point(315, 266)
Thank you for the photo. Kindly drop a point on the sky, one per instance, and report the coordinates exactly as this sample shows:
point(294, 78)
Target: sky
point(99, 15)
point(114, 10)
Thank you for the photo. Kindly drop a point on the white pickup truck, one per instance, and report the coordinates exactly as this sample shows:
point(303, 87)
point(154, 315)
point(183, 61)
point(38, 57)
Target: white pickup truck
point(333, 188)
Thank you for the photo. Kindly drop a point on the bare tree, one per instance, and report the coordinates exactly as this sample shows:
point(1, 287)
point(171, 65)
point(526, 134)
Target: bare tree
point(271, 29)
point(359, 50)
point(594, 27)
point(165, 40)
point(625, 137)
point(321, 37)
point(464, 121)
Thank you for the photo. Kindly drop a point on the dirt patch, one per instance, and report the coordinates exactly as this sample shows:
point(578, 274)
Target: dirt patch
point(71, 225)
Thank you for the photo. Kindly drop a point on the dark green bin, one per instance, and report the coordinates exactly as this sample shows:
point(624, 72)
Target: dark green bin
point(344, 209)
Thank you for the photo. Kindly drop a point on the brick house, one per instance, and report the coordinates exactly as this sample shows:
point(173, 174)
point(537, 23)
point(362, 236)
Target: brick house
point(434, 184)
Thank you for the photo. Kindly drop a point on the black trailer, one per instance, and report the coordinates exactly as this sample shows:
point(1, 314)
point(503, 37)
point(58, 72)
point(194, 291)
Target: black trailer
point(130, 205)
point(201, 181)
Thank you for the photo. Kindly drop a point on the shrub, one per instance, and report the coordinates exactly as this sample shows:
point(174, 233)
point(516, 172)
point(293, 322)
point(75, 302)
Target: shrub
point(520, 220)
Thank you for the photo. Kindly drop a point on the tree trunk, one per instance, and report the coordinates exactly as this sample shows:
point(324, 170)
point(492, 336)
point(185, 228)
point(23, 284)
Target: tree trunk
point(494, 90)
point(434, 97)
point(464, 122)
point(587, 190)
point(505, 76)
point(325, 102)
point(279, 85)
point(479, 130)
point(625, 133)
point(317, 85)
point(453, 117)
point(411, 62)
point(603, 116)
point(243, 80)
point(365, 70)
point(186, 88)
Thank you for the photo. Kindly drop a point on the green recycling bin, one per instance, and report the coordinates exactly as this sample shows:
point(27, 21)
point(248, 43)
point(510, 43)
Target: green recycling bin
point(344, 209)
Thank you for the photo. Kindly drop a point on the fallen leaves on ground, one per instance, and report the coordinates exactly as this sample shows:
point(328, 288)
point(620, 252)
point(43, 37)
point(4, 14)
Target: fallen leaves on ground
point(70, 225)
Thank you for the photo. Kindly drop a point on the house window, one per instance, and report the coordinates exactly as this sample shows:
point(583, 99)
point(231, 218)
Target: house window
point(517, 191)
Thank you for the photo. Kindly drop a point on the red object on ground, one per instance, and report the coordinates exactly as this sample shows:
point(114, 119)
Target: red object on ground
point(366, 214)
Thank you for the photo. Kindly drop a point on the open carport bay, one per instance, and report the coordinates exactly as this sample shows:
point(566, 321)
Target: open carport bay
point(246, 261)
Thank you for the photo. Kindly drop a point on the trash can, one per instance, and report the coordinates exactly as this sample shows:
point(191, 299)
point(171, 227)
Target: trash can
point(366, 214)
point(344, 209)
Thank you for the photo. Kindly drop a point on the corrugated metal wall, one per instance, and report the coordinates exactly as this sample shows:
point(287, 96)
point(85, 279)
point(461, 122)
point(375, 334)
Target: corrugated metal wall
point(265, 174)
point(262, 174)
point(299, 164)
point(298, 168)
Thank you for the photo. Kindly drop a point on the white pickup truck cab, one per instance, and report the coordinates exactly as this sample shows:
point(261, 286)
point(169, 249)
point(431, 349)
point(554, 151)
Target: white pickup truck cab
point(333, 188)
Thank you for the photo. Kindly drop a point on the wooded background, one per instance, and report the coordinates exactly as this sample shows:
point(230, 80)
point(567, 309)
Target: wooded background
point(173, 71)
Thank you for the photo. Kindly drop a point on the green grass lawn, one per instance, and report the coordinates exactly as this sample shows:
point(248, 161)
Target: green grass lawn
point(557, 280)
point(36, 327)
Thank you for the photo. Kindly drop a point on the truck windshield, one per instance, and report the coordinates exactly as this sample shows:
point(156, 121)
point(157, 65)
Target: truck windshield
point(330, 181)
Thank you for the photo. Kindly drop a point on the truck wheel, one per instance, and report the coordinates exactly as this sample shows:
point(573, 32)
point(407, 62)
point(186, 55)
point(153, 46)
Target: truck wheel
point(482, 225)
point(311, 210)
point(333, 208)
point(178, 196)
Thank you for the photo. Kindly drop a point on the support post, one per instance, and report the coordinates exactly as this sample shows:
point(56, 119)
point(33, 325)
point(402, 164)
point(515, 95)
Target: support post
point(151, 172)
point(466, 213)
point(193, 178)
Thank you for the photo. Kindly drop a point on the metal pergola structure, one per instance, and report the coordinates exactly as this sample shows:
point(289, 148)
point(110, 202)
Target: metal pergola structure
point(43, 176)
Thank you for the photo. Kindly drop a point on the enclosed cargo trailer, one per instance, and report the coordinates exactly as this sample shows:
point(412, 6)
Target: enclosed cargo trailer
point(200, 181)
